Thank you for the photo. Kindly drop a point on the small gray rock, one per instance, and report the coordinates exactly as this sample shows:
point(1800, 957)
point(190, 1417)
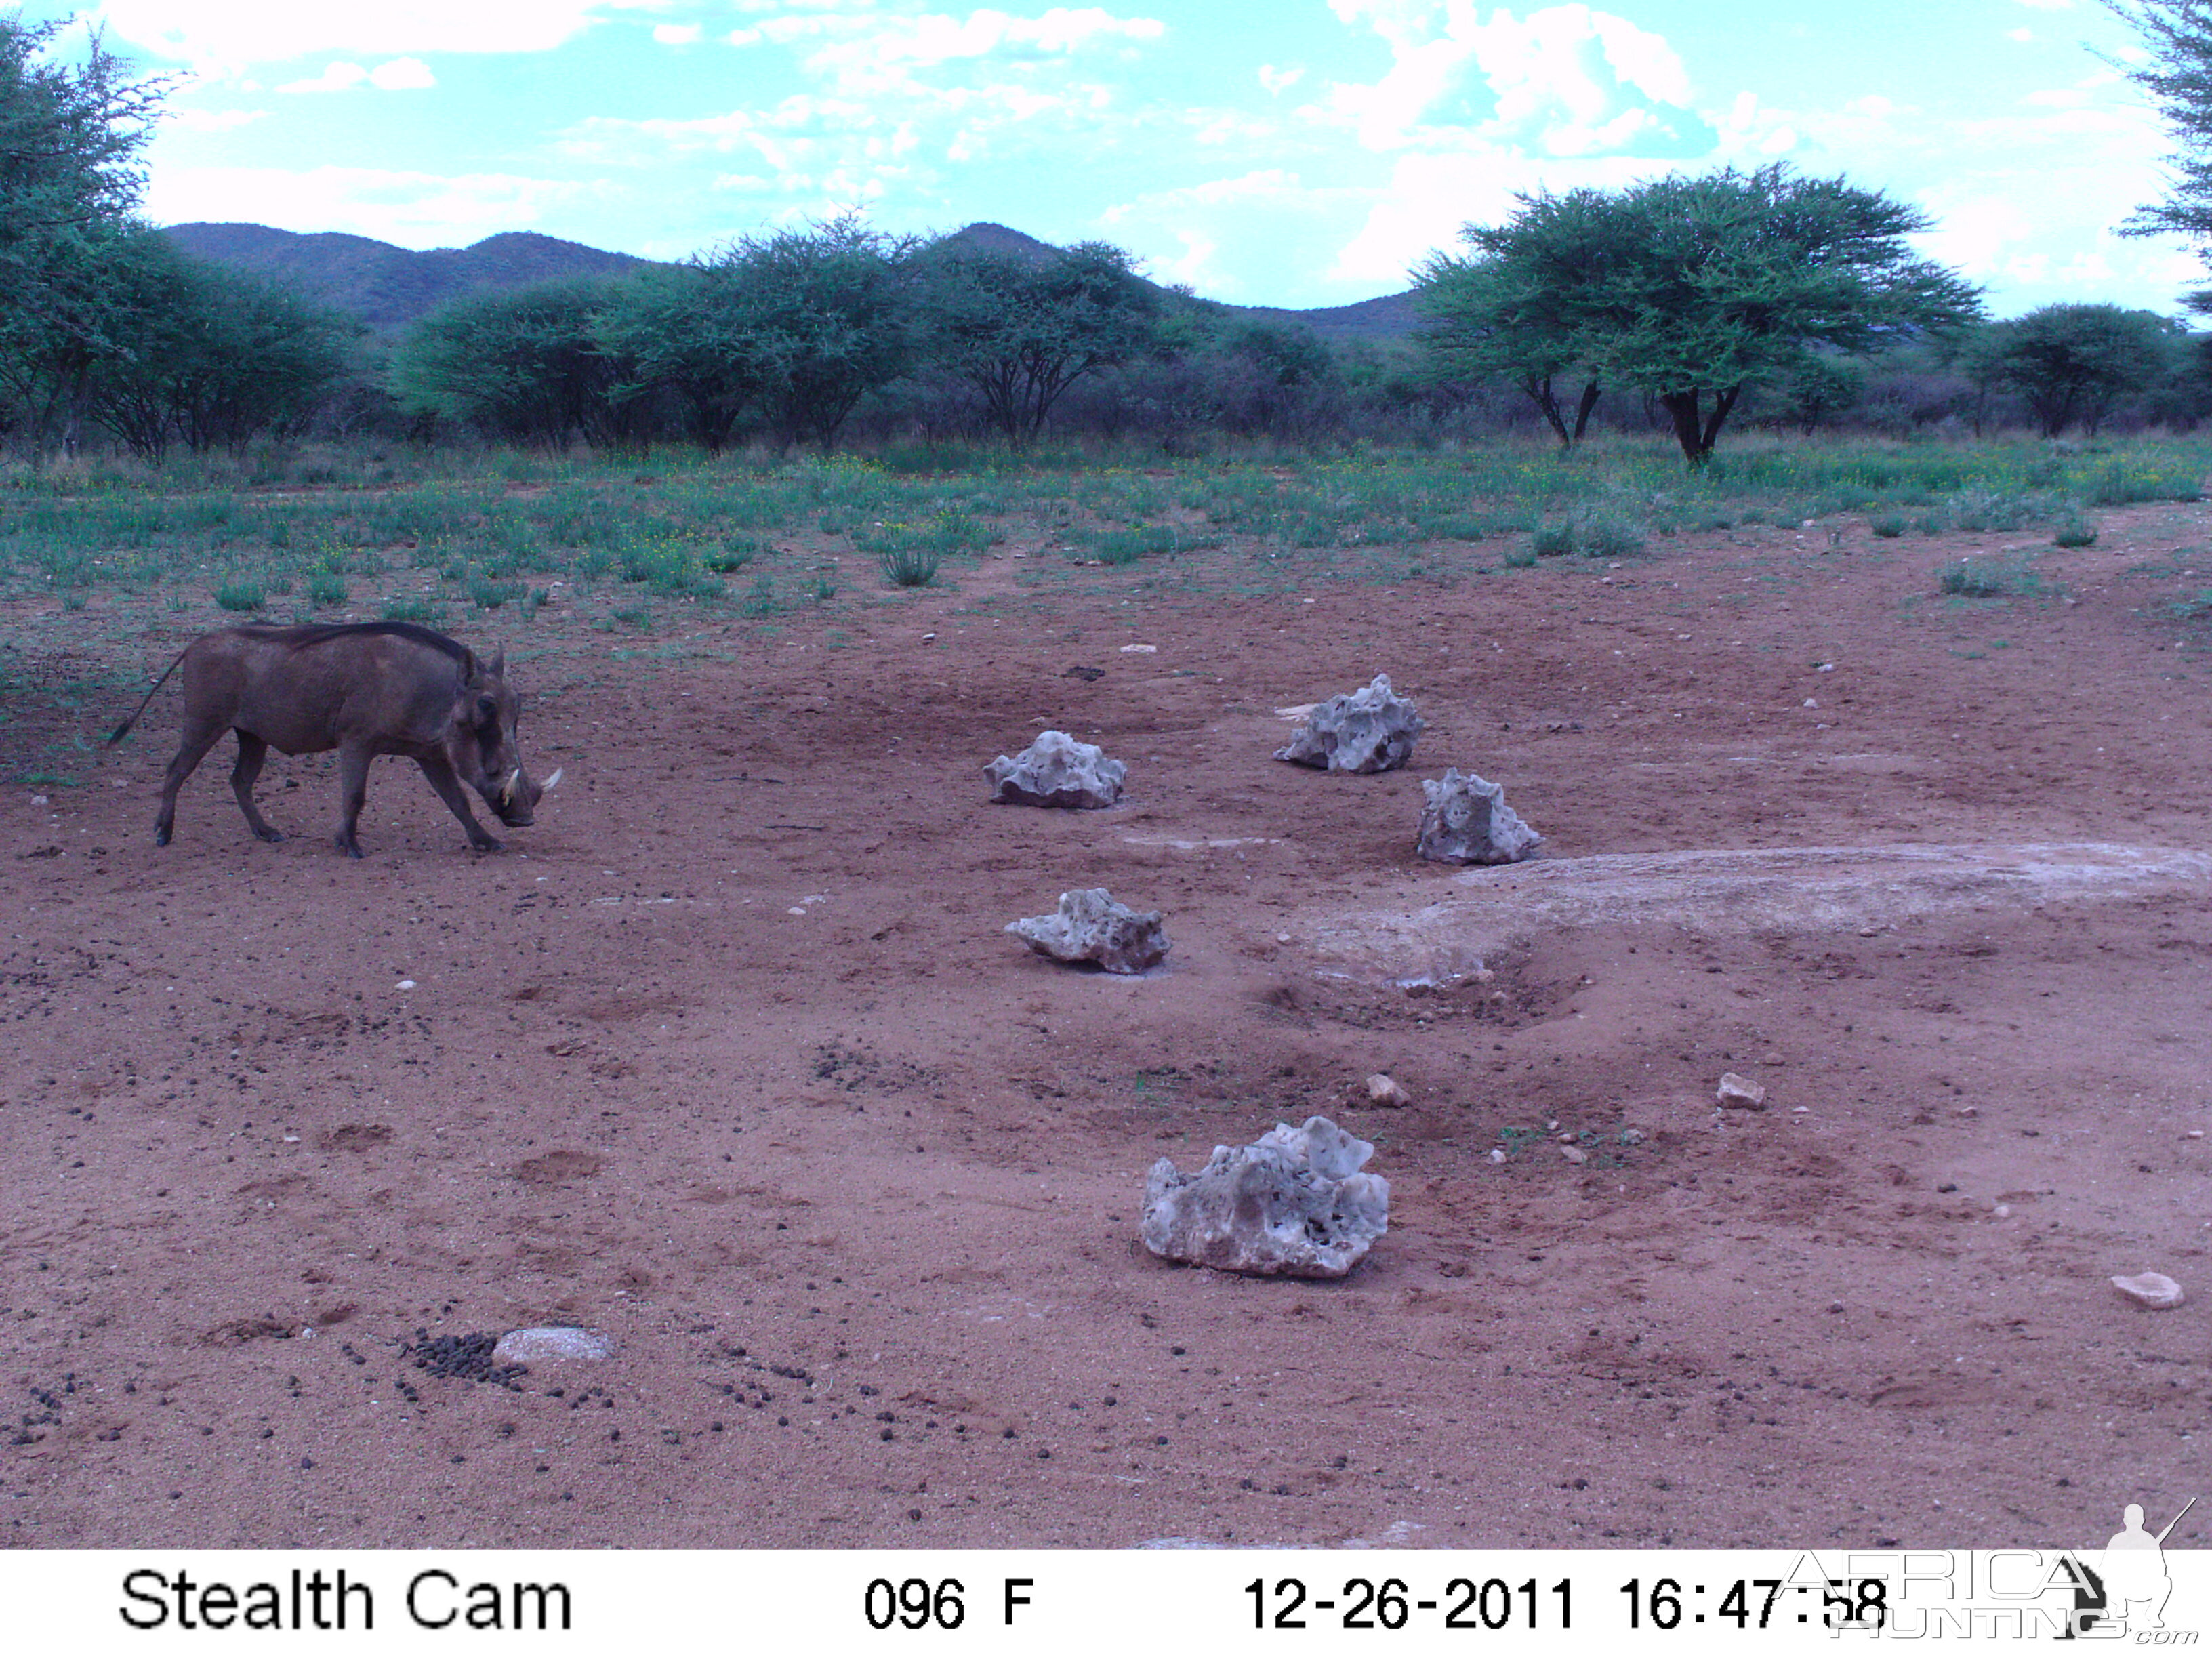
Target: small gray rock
point(1090, 927)
point(539, 1344)
point(1467, 821)
point(1056, 771)
point(1294, 1203)
point(1370, 729)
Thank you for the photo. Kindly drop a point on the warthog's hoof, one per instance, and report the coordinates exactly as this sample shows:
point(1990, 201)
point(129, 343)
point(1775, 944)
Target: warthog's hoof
point(271, 836)
point(488, 843)
point(162, 835)
point(351, 849)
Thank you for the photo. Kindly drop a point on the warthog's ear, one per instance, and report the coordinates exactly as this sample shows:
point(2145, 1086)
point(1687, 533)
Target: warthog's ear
point(498, 669)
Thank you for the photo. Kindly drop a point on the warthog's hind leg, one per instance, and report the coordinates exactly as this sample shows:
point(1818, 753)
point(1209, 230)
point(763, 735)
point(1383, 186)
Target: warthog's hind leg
point(352, 795)
point(191, 750)
point(251, 751)
point(439, 771)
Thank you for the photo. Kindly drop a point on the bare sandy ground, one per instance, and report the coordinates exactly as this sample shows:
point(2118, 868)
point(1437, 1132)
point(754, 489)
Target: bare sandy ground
point(729, 1058)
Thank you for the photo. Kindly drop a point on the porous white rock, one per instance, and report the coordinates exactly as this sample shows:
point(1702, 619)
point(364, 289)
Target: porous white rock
point(1294, 1203)
point(1467, 821)
point(539, 1344)
point(2150, 1291)
point(1090, 927)
point(1740, 1093)
point(1383, 1089)
point(1370, 729)
point(1056, 771)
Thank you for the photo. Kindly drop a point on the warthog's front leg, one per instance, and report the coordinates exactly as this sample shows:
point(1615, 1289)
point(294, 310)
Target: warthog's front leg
point(352, 795)
point(251, 751)
point(439, 771)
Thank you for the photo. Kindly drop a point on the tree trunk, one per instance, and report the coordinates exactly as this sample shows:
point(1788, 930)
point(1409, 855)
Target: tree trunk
point(1682, 407)
point(1538, 388)
point(1583, 413)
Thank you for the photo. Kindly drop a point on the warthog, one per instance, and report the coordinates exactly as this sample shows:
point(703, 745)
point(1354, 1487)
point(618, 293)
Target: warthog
point(363, 689)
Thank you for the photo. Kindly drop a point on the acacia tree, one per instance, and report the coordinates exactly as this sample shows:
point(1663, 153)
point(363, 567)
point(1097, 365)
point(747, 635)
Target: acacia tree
point(1688, 289)
point(523, 364)
point(2073, 362)
point(2179, 78)
point(70, 179)
point(1511, 311)
point(1022, 330)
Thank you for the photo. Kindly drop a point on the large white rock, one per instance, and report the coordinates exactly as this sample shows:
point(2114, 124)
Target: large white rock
point(540, 1344)
point(1294, 1203)
point(1370, 729)
point(1090, 927)
point(1467, 821)
point(1056, 771)
point(2150, 1291)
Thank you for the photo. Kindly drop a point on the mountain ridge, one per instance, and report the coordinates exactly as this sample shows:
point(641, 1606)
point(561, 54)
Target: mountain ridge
point(389, 287)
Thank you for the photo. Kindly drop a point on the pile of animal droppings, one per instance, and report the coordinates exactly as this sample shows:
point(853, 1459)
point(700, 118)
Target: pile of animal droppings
point(469, 1357)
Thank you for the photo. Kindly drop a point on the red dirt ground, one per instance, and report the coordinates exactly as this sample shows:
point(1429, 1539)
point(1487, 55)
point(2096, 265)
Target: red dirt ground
point(730, 1059)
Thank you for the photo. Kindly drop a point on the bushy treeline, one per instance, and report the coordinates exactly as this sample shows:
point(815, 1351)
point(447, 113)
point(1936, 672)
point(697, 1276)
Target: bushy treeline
point(1673, 305)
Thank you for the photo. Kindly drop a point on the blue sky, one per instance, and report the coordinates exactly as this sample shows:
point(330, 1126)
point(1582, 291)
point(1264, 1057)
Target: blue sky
point(1297, 153)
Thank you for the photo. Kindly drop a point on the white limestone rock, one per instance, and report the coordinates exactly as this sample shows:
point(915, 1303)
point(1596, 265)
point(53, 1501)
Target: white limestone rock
point(1467, 821)
point(540, 1344)
point(1056, 771)
point(1741, 1093)
point(1090, 927)
point(1294, 1203)
point(2150, 1291)
point(1370, 729)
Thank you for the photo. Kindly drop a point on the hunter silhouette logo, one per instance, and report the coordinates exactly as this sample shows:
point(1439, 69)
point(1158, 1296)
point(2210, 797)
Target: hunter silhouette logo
point(2136, 1583)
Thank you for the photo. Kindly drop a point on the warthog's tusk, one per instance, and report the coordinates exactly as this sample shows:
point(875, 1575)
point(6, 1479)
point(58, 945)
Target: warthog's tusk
point(555, 779)
point(507, 789)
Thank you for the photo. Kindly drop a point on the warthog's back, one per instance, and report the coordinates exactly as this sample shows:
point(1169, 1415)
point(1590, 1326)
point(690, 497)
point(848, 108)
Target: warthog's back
point(310, 686)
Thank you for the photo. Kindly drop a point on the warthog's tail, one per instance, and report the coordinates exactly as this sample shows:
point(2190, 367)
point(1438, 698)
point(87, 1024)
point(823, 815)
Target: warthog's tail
point(116, 736)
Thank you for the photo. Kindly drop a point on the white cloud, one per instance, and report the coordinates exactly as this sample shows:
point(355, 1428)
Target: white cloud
point(1567, 81)
point(2026, 36)
point(1279, 81)
point(400, 74)
point(416, 209)
point(677, 34)
point(2048, 5)
point(229, 34)
point(337, 77)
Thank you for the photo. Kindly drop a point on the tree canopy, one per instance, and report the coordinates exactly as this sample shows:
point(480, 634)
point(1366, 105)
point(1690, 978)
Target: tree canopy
point(2179, 78)
point(2073, 362)
point(69, 183)
point(1688, 289)
point(1022, 330)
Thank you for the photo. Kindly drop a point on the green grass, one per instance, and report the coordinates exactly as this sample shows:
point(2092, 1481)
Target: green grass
point(486, 532)
point(1997, 577)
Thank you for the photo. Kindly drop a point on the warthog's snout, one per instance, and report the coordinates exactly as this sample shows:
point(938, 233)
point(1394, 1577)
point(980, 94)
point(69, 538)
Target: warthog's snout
point(516, 798)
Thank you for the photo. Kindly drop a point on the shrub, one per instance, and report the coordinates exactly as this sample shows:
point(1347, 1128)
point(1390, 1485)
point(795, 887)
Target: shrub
point(2075, 529)
point(241, 596)
point(414, 610)
point(1887, 526)
point(735, 553)
point(909, 563)
point(1608, 536)
point(1127, 546)
point(325, 588)
point(1994, 579)
point(1551, 541)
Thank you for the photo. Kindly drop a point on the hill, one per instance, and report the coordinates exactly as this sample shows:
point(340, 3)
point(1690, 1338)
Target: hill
point(390, 287)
